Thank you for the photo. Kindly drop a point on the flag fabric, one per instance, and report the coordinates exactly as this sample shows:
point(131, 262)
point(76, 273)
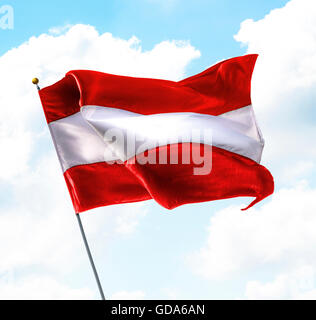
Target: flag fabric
point(92, 115)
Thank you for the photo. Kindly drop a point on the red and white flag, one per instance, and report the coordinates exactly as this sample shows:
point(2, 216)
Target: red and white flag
point(123, 139)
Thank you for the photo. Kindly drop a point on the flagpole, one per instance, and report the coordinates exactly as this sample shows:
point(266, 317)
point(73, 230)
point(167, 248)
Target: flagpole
point(90, 256)
point(35, 81)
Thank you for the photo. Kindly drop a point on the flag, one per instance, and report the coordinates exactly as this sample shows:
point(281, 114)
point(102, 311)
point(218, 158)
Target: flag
point(123, 139)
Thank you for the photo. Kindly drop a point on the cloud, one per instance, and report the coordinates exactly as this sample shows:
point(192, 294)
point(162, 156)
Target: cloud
point(298, 170)
point(280, 234)
point(59, 29)
point(284, 80)
point(298, 285)
point(38, 287)
point(125, 295)
point(16, 145)
point(38, 228)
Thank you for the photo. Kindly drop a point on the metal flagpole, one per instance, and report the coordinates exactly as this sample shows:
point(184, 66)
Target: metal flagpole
point(36, 82)
point(90, 256)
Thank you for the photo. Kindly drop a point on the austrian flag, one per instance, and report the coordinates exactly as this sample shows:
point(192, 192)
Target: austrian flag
point(123, 139)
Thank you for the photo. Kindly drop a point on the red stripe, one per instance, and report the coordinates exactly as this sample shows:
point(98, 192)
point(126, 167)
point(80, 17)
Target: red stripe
point(61, 99)
point(219, 89)
point(101, 184)
point(170, 185)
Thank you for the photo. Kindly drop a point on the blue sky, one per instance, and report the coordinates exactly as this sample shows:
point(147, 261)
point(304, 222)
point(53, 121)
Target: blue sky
point(202, 251)
point(209, 25)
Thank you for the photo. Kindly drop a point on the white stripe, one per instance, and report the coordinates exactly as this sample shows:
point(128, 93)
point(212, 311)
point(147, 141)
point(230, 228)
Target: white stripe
point(77, 143)
point(78, 138)
point(235, 131)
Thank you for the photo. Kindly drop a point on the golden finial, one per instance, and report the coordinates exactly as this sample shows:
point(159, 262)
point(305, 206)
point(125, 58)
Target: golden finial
point(36, 82)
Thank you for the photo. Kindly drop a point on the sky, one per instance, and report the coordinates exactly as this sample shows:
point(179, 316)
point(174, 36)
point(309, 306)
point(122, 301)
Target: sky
point(142, 251)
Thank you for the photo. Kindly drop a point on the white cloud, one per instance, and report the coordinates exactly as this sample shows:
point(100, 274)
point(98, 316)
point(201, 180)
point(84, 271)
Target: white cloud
point(127, 223)
point(59, 29)
point(284, 81)
point(126, 295)
point(38, 228)
point(298, 284)
point(281, 232)
point(171, 293)
point(38, 287)
point(298, 170)
point(16, 146)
